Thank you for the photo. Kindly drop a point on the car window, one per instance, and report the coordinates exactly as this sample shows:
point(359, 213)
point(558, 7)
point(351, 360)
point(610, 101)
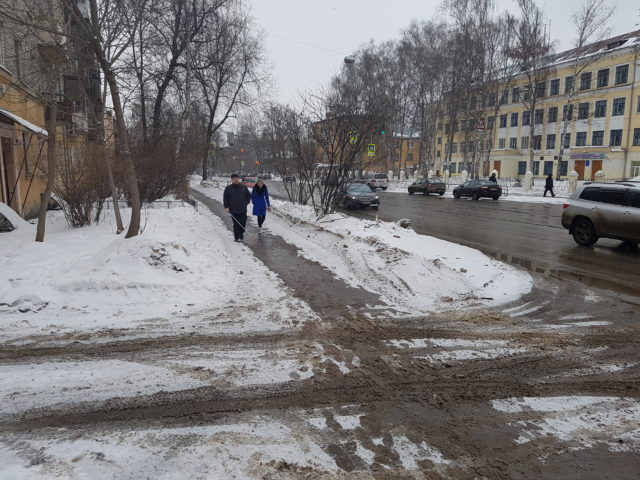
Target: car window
point(634, 199)
point(617, 196)
point(590, 193)
point(358, 188)
point(381, 176)
point(435, 180)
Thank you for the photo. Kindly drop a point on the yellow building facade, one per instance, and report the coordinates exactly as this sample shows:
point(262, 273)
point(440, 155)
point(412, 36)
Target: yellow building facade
point(602, 133)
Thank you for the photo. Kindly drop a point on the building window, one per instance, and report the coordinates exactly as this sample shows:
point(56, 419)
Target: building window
point(513, 142)
point(526, 118)
point(439, 140)
point(491, 122)
point(515, 94)
point(554, 87)
point(409, 157)
point(553, 115)
point(622, 74)
point(566, 143)
point(504, 98)
point(524, 143)
point(585, 81)
point(539, 115)
point(452, 167)
point(514, 119)
point(527, 93)
point(635, 169)
point(597, 138)
point(447, 128)
point(563, 168)
point(548, 167)
point(410, 144)
point(540, 88)
point(603, 78)
point(522, 168)
point(537, 142)
point(636, 137)
point(618, 106)
point(601, 109)
point(492, 99)
point(567, 112)
point(583, 110)
point(454, 148)
point(569, 84)
point(501, 143)
point(503, 120)
point(536, 168)
point(551, 141)
point(581, 139)
point(438, 154)
point(439, 126)
point(638, 106)
point(615, 138)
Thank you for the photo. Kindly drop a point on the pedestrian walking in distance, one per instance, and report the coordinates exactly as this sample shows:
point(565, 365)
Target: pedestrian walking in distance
point(236, 197)
point(261, 202)
point(493, 178)
point(548, 186)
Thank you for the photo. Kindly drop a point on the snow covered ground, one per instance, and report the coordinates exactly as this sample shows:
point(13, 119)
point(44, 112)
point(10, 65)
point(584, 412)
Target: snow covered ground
point(181, 273)
point(409, 271)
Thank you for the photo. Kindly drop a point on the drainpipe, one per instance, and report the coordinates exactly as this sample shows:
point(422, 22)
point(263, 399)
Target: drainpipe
point(631, 112)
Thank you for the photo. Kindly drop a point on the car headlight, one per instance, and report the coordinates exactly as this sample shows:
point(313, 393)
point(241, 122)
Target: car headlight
point(376, 197)
point(352, 197)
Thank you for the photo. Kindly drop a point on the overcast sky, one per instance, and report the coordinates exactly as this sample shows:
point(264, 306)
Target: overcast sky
point(306, 40)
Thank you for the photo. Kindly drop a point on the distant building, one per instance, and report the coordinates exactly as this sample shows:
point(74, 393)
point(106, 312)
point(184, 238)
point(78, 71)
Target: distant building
point(604, 127)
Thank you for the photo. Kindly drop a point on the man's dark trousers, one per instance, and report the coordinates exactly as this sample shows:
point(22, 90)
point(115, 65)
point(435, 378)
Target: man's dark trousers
point(239, 224)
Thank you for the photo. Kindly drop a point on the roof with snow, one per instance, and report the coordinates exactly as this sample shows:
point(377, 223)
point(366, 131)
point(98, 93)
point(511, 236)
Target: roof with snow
point(25, 123)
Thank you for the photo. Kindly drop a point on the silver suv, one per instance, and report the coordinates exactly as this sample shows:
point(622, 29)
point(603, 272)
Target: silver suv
point(603, 210)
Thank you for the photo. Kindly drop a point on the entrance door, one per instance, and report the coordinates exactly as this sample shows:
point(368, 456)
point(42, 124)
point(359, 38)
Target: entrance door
point(496, 166)
point(580, 169)
point(596, 165)
point(8, 174)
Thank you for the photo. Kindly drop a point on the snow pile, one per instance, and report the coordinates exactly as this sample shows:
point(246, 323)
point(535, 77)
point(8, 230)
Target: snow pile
point(407, 270)
point(177, 272)
point(12, 217)
point(578, 420)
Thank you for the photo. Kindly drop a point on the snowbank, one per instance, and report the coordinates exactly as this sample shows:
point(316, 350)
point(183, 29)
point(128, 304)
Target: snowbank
point(14, 219)
point(180, 273)
point(409, 271)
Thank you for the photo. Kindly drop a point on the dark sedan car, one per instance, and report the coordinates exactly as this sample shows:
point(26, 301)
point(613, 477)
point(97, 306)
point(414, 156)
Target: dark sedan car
point(358, 195)
point(427, 185)
point(478, 188)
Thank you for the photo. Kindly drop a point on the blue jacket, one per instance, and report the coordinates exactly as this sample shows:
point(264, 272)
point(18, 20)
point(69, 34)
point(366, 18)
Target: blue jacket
point(260, 200)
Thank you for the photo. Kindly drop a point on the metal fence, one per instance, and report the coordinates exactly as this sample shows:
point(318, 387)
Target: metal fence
point(161, 204)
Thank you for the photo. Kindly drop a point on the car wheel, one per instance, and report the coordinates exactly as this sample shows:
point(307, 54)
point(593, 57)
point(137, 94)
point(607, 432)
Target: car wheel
point(495, 198)
point(440, 193)
point(375, 206)
point(384, 188)
point(456, 195)
point(410, 192)
point(584, 233)
point(476, 196)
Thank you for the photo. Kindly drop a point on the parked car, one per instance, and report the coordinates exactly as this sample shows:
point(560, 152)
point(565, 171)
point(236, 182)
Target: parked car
point(358, 195)
point(265, 176)
point(478, 188)
point(289, 178)
point(427, 185)
point(603, 210)
point(377, 180)
point(250, 181)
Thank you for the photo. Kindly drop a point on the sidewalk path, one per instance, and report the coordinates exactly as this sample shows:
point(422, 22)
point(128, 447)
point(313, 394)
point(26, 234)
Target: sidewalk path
point(308, 280)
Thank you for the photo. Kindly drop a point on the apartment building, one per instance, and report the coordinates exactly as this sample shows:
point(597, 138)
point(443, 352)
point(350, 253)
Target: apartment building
point(405, 151)
point(601, 120)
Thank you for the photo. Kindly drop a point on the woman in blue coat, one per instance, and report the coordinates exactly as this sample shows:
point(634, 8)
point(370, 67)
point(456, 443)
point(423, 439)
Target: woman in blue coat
point(261, 202)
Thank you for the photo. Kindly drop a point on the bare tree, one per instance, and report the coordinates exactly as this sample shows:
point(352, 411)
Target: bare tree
point(532, 53)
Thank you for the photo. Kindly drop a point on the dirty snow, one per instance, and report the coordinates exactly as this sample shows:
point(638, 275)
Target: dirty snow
point(409, 271)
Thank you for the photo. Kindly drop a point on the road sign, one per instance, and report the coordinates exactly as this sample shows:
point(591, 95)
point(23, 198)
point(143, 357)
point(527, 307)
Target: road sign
point(371, 151)
point(480, 125)
point(353, 137)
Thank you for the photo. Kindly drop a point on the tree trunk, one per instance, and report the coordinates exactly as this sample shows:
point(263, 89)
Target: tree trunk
point(51, 123)
point(112, 187)
point(123, 141)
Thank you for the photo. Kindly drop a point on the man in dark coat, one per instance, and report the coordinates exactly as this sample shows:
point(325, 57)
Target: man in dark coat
point(236, 197)
point(493, 178)
point(548, 186)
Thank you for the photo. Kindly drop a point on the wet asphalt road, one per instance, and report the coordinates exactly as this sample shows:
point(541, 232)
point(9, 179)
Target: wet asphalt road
point(525, 234)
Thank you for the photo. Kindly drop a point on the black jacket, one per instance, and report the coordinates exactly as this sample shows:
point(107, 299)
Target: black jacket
point(549, 183)
point(236, 197)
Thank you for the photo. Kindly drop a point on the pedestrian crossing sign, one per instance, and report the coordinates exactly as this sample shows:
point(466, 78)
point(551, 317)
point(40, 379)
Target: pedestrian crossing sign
point(371, 151)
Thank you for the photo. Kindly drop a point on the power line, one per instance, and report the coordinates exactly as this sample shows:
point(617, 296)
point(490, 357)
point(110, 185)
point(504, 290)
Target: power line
point(305, 43)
